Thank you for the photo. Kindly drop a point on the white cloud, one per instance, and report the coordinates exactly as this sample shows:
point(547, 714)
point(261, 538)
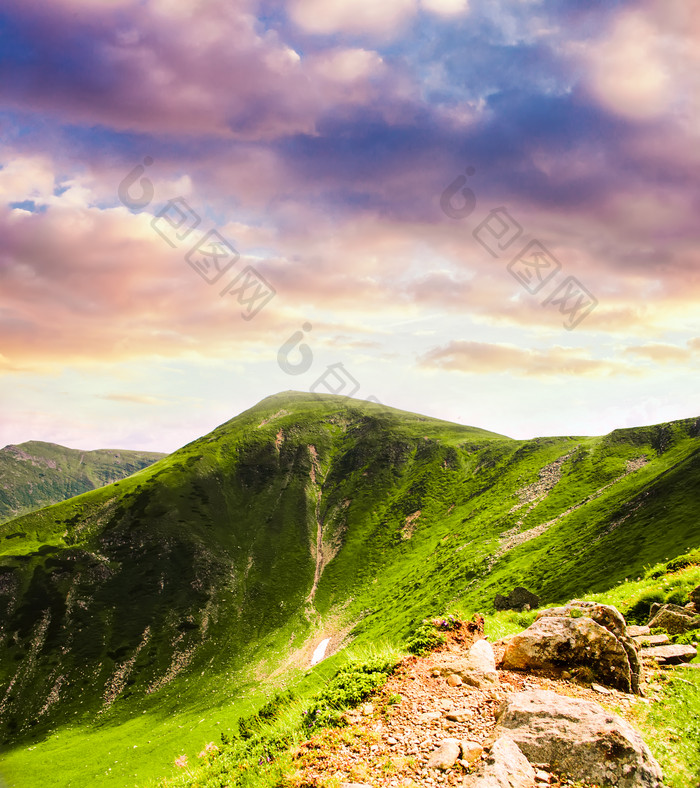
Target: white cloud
point(445, 7)
point(352, 16)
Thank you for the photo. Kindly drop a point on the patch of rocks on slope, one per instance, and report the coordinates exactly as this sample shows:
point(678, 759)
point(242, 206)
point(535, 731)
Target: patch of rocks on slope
point(512, 716)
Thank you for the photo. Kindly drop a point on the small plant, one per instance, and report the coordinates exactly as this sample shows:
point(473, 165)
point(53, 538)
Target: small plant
point(394, 699)
point(448, 624)
point(687, 638)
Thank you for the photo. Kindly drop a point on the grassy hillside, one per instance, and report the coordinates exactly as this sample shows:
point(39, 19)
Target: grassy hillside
point(172, 601)
point(37, 474)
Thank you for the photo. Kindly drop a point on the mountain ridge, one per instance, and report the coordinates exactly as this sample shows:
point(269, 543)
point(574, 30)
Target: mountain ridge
point(35, 474)
point(213, 565)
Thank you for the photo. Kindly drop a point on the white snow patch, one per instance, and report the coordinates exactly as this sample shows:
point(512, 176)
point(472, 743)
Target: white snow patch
point(320, 651)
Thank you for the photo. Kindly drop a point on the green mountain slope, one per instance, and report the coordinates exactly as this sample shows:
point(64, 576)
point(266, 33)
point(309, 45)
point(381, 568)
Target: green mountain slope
point(175, 592)
point(37, 474)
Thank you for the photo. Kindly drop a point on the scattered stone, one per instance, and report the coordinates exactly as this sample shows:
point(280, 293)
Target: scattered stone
point(367, 709)
point(675, 619)
point(634, 631)
point(652, 640)
point(602, 690)
point(518, 599)
point(670, 655)
point(429, 716)
point(445, 756)
point(504, 767)
point(541, 776)
point(477, 670)
point(580, 739)
point(471, 751)
point(454, 680)
point(459, 715)
point(560, 642)
point(354, 785)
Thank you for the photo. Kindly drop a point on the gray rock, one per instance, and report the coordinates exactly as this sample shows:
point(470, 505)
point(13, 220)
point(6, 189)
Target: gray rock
point(670, 655)
point(580, 739)
point(610, 618)
point(446, 755)
point(518, 599)
point(675, 620)
point(505, 767)
point(579, 645)
point(654, 609)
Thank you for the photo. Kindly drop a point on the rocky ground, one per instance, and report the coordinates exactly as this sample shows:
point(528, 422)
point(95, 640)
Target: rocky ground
point(434, 723)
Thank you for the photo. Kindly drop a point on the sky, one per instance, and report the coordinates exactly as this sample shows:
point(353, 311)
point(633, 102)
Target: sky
point(480, 210)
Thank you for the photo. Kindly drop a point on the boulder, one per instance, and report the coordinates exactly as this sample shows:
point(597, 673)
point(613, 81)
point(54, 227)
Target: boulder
point(504, 767)
point(675, 619)
point(478, 669)
point(670, 655)
point(579, 739)
point(446, 755)
point(611, 619)
point(577, 645)
point(518, 599)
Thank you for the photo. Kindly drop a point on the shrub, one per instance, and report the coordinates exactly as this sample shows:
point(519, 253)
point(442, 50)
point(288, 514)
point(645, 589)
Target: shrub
point(676, 596)
point(424, 639)
point(348, 688)
point(638, 612)
point(251, 725)
point(687, 638)
point(683, 561)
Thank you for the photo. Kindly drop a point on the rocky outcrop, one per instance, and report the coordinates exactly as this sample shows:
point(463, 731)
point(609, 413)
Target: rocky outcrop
point(580, 739)
point(577, 645)
point(504, 767)
point(518, 599)
point(674, 619)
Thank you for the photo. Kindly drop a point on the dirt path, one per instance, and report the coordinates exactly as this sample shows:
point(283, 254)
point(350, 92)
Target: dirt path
point(388, 741)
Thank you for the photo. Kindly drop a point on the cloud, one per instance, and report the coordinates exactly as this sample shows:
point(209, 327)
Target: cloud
point(483, 358)
point(664, 353)
point(184, 69)
point(352, 16)
point(136, 399)
point(445, 7)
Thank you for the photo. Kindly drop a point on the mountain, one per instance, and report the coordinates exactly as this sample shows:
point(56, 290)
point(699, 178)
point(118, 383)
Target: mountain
point(37, 474)
point(177, 592)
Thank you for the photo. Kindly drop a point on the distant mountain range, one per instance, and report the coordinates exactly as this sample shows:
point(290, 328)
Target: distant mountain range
point(168, 590)
point(37, 474)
